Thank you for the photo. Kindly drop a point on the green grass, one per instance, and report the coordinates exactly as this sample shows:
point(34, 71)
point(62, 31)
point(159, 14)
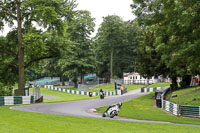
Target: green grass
point(12, 121)
point(133, 87)
point(143, 108)
point(186, 96)
point(63, 96)
point(76, 89)
point(105, 87)
point(108, 87)
point(159, 84)
point(111, 87)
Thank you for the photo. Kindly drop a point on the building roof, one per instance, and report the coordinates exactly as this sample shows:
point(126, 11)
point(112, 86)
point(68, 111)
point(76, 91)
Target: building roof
point(132, 74)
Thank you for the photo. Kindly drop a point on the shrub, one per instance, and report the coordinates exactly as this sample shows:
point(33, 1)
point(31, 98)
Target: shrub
point(5, 90)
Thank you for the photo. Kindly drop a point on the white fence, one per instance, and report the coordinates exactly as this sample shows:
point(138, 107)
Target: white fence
point(78, 92)
point(171, 107)
point(12, 100)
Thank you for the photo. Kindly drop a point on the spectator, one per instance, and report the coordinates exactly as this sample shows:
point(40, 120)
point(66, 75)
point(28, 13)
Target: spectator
point(197, 80)
point(122, 90)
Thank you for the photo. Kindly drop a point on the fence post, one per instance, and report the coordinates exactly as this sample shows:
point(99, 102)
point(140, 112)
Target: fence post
point(179, 110)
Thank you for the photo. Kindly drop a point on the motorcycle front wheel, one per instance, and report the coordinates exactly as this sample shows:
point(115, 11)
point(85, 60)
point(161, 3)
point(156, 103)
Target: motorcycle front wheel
point(104, 114)
point(112, 114)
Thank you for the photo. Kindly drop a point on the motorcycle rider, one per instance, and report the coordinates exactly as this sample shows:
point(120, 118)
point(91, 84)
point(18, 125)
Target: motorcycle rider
point(101, 93)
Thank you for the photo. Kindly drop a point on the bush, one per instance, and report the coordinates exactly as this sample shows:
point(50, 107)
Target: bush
point(5, 90)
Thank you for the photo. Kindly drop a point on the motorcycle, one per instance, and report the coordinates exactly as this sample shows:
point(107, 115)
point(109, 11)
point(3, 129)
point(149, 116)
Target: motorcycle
point(112, 110)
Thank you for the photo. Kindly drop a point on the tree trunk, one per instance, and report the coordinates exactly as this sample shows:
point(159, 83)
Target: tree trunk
point(21, 84)
point(62, 80)
point(75, 81)
point(174, 83)
point(111, 63)
point(187, 79)
point(148, 81)
point(82, 78)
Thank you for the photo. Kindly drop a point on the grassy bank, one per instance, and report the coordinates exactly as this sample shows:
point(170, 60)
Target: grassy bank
point(143, 108)
point(111, 87)
point(63, 96)
point(159, 84)
point(26, 122)
point(189, 96)
point(76, 89)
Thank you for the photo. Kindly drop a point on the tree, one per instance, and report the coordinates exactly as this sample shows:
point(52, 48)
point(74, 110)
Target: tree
point(148, 60)
point(78, 57)
point(109, 37)
point(116, 43)
point(29, 14)
point(8, 62)
point(176, 38)
point(128, 51)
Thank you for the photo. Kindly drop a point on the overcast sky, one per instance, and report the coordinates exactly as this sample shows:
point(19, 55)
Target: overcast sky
point(102, 8)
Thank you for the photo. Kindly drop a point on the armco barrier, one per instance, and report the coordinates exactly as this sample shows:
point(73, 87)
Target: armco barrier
point(175, 109)
point(12, 100)
point(154, 89)
point(180, 110)
point(190, 111)
point(78, 92)
point(171, 107)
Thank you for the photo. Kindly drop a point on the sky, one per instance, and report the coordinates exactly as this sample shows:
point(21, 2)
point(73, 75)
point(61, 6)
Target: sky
point(102, 8)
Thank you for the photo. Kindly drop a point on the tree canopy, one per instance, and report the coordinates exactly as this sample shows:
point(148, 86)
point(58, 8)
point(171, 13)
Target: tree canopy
point(174, 26)
point(116, 42)
point(51, 35)
point(38, 22)
point(78, 58)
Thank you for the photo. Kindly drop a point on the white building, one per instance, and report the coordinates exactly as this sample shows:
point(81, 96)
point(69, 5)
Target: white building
point(136, 78)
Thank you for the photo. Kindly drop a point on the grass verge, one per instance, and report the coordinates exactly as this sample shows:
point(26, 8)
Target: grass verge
point(13, 121)
point(143, 108)
point(76, 89)
point(189, 96)
point(63, 96)
point(159, 84)
point(111, 87)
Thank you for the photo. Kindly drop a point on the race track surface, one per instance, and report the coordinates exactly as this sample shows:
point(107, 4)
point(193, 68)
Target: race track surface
point(84, 108)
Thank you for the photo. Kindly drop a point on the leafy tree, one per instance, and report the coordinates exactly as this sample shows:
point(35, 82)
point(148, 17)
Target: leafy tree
point(78, 57)
point(5, 90)
point(149, 61)
point(128, 51)
point(176, 38)
point(116, 43)
point(8, 62)
point(109, 38)
point(37, 22)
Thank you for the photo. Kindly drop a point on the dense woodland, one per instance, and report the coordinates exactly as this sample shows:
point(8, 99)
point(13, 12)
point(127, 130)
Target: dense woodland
point(52, 38)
